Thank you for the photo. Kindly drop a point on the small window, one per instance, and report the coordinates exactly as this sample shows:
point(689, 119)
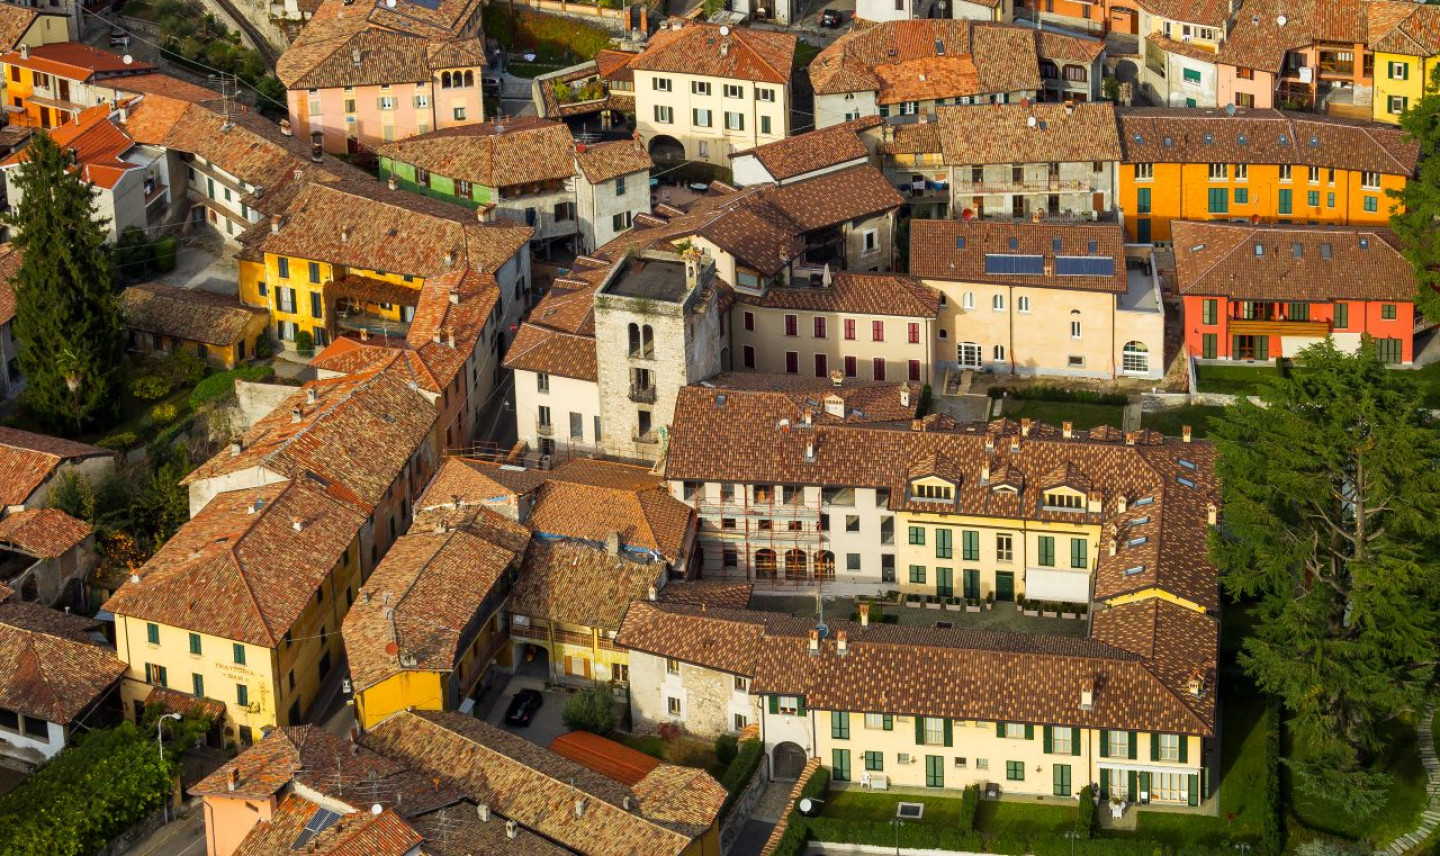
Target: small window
point(672, 666)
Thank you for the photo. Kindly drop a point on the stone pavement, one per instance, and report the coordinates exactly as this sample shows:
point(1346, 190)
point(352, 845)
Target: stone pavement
point(1430, 817)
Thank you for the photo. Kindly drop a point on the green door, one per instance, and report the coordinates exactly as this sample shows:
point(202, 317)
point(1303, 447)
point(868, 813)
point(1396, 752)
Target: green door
point(1062, 780)
point(934, 771)
point(1004, 586)
point(972, 583)
point(945, 582)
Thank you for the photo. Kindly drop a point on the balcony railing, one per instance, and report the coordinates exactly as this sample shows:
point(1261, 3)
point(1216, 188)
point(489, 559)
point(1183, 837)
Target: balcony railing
point(642, 394)
point(545, 430)
point(644, 436)
point(1278, 327)
point(1053, 185)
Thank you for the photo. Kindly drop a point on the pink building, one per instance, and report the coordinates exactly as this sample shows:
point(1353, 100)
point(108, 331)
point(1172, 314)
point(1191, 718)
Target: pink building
point(367, 73)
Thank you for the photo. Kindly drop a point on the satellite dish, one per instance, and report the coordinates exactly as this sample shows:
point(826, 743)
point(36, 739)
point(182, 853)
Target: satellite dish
point(1030, 121)
point(392, 648)
point(1229, 109)
point(128, 59)
point(1254, 219)
point(376, 809)
point(1282, 20)
point(724, 31)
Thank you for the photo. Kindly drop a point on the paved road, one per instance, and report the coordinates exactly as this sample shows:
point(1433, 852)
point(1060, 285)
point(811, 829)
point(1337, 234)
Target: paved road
point(183, 837)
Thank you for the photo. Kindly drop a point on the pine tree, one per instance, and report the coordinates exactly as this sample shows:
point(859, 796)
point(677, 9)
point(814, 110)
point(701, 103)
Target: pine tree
point(1417, 225)
point(1332, 508)
point(68, 319)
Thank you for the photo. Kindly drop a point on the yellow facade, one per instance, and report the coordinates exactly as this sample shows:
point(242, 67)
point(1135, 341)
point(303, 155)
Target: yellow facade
point(261, 687)
point(1400, 82)
point(959, 555)
point(927, 752)
point(1165, 192)
point(574, 652)
point(260, 283)
point(418, 689)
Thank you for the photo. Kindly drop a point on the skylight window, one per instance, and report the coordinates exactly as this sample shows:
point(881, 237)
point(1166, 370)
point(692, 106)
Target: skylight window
point(1140, 521)
point(1139, 139)
point(1326, 252)
point(1284, 140)
point(1144, 500)
point(1241, 140)
point(1136, 542)
point(1189, 465)
point(1185, 481)
point(1138, 569)
point(1209, 138)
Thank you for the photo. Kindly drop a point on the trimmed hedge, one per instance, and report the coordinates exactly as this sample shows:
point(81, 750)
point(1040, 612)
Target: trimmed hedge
point(1087, 819)
point(222, 384)
point(1046, 392)
point(920, 836)
point(738, 774)
point(969, 807)
point(1272, 825)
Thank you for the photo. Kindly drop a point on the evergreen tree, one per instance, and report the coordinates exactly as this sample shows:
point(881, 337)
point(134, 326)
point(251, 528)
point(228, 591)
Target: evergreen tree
point(68, 318)
point(1417, 225)
point(1332, 507)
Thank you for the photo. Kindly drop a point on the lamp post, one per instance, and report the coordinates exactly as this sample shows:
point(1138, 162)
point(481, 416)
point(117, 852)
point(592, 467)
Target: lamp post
point(160, 745)
point(897, 823)
point(1073, 835)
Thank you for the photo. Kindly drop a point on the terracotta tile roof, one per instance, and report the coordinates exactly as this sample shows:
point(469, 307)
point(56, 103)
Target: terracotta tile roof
point(1208, 135)
point(458, 831)
point(608, 66)
point(712, 593)
point(10, 259)
point(590, 500)
point(166, 86)
point(353, 441)
point(615, 64)
point(814, 150)
point(52, 622)
point(1068, 47)
point(860, 293)
point(1256, 40)
point(29, 459)
point(835, 197)
point(763, 56)
point(540, 789)
point(1174, 642)
point(97, 144)
point(1181, 48)
point(45, 533)
point(47, 671)
point(956, 58)
point(606, 757)
point(174, 701)
point(603, 161)
point(361, 224)
point(538, 349)
point(240, 569)
point(1211, 13)
point(786, 396)
point(426, 592)
point(192, 314)
point(1412, 29)
point(484, 483)
point(1003, 133)
point(394, 47)
point(15, 22)
point(525, 150)
point(936, 251)
point(914, 138)
point(74, 61)
point(358, 833)
point(578, 583)
point(1303, 263)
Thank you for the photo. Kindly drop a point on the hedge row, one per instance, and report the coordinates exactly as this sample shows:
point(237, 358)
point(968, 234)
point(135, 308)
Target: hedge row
point(737, 775)
point(917, 836)
point(1045, 392)
point(1272, 826)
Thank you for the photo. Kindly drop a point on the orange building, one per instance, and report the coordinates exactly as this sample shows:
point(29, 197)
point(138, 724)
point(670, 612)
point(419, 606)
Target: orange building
point(1260, 166)
point(48, 85)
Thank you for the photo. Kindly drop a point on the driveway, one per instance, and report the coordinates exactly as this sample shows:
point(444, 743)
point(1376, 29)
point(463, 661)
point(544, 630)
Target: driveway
point(548, 722)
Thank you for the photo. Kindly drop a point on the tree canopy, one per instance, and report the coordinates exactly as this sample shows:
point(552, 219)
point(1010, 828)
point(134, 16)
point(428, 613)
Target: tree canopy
point(1416, 225)
point(67, 316)
point(1332, 506)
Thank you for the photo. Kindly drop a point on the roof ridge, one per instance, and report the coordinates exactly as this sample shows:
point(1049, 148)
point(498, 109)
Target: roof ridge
point(232, 550)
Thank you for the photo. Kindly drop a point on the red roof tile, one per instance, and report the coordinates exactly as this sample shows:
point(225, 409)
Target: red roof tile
point(606, 757)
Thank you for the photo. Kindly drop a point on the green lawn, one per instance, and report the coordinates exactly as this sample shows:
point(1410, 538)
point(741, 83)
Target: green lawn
point(1006, 817)
point(1402, 808)
point(855, 804)
point(1233, 380)
point(805, 53)
point(1171, 421)
point(1085, 416)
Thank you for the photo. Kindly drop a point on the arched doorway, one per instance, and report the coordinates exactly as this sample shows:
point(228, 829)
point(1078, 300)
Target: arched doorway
point(797, 564)
point(787, 762)
point(765, 564)
point(665, 148)
point(824, 565)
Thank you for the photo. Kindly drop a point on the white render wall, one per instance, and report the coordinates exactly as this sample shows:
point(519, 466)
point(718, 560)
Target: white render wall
point(719, 141)
point(598, 204)
point(709, 701)
point(29, 751)
point(566, 396)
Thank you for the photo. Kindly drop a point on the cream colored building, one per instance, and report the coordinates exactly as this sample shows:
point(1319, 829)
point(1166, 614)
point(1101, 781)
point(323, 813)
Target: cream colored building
point(702, 91)
point(1040, 299)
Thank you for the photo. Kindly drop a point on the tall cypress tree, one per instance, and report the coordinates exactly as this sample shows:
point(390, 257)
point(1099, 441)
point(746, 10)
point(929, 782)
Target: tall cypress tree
point(67, 316)
point(1332, 520)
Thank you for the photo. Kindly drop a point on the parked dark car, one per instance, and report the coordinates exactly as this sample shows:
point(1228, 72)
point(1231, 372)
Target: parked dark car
point(522, 707)
point(832, 18)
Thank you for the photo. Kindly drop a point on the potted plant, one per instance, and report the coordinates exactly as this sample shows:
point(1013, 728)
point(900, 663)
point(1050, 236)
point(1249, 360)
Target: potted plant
point(953, 604)
point(932, 602)
point(972, 604)
point(912, 600)
point(1020, 604)
point(990, 601)
point(1049, 609)
point(1032, 607)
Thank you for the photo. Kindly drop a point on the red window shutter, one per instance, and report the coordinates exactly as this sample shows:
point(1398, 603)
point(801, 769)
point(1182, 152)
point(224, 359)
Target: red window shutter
point(877, 331)
point(749, 320)
point(748, 354)
point(819, 327)
point(915, 370)
point(792, 325)
point(792, 362)
point(879, 364)
point(850, 370)
point(914, 334)
point(850, 328)
point(822, 366)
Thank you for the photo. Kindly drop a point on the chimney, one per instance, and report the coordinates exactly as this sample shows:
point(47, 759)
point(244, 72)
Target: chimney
point(807, 416)
point(1212, 513)
point(1196, 685)
point(295, 415)
point(864, 615)
point(651, 594)
point(989, 442)
point(625, 802)
point(297, 524)
point(449, 258)
point(814, 641)
point(511, 827)
point(580, 148)
point(1014, 443)
point(311, 396)
point(1112, 545)
point(1025, 426)
point(1129, 438)
point(235, 448)
point(365, 596)
point(317, 152)
point(134, 578)
point(810, 451)
point(255, 506)
point(904, 396)
point(842, 646)
point(486, 212)
point(1087, 695)
point(887, 133)
point(984, 474)
point(1121, 503)
point(274, 223)
point(345, 235)
point(24, 51)
point(1067, 430)
point(483, 810)
point(232, 779)
point(450, 338)
point(355, 56)
point(454, 297)
point(612, 543)
point(394, 182)
point(285, 128)
point(579, 806)
point(1185, 433)
point(837, 378)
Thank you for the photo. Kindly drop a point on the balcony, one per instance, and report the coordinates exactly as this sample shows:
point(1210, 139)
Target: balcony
point(546, 430)
point(642, 394)
point(1053, 185)
point(647, 437)
point(1279, 327)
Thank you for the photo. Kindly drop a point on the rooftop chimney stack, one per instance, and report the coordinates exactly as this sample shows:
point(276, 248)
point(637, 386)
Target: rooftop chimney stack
point(295, 415)
point(454, 297)
point(814, 641)
point(904, 396)
point(311, 396)
point(232, 779)
point(612, 543)
point(483, 810)
point(394, 183)
point(1087, 695)
point(842, 645)
point(235, 448)
point(285, 128)
point(1212, 513)
point(1129, 438)
point(1025, 426)
point(810, 451)
point(274, 223)
point(984, 474)
point(511, 827)
point(1112, 546)
point(1185, 433)
point(1121, 503)
point(864, 615)
point(651, 594)
point(579, 806)
point(1067, 430)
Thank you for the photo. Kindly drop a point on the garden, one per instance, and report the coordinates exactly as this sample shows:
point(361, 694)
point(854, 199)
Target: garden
point(1084, 409)
point(555, 41)
point(197, 40)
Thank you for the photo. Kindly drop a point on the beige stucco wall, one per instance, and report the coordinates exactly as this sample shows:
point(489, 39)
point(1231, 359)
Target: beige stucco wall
point(719, 141)
point(771, 344)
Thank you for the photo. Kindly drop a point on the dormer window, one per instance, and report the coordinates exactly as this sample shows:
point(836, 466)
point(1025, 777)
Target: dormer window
point(1065, 501)
point(939, 492)
point(1136, 542)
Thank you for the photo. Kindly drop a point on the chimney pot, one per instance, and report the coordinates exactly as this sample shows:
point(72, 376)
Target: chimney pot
point(1121, 503)
point(864, 615)
point(394, 182)
point(904, 396)
point(483, 810)
point(511, 827)
point(1112, 546)
point(454, 297)
point(810, 450)
point(232, 779)
point(295, 415)
point(450, 339)
point(1129, 438)
point(1185, 433)
point(1025, 426)
point(625, 803)
point(285, 128)
point(274, 223)
point(984, 474)
point(842, 645)
point(814, 641)
point(235, 448)
point(651, 594)
point(1067, 429)
point(311, 396)
point(297, 524)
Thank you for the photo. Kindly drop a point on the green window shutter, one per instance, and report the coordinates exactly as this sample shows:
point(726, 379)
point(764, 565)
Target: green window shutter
point(774, 704)
point(919, 731)
point(799, 705)
point(1046, 737)
point(1047, 551)
point(1262, 347)
point(1104, 743)
point(1342, 316)
point(1075, 741)
point(1184, 748)
point(1133, 780)
point(1209, 346)
point(1104, 782)
point(999, 729)
point(1029, 731)
point(1133, 745)
point(1144, 785)
point(839, 725)
point(1079, 553)
point(949, 733)
point(1154, 747)
point(1194, 789)
point(888, 722)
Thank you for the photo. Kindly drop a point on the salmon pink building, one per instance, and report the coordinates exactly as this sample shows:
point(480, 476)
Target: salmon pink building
point(1264, 292)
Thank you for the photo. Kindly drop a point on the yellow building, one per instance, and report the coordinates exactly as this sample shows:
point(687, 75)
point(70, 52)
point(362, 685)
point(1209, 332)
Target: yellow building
point(1405, 61)
point(1258, 165)
point(218, 328)
point(243, 605)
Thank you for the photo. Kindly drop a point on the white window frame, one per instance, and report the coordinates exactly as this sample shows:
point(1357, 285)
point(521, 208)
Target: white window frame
point(734, 90)
point(1060, 741)
point(734, 121)
point(1119, 744)
point(1022, 304)
point(660, 84)
point(997, 302)
point(699, 87)
point(1170, 747)
point(664, 114)
point(1144, 172)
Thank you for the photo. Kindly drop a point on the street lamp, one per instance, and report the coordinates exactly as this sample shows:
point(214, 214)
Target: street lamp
point(1073, 835)
point(897, 823)
point(159, 744)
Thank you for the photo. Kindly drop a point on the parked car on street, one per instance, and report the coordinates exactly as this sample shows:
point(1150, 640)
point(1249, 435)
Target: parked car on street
point(832, 18)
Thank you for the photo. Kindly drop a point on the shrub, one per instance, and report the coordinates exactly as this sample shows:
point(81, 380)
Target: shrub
point(1045, 392)
point(1272, 828)
point(727, 746)
point(590, 710)
point(264, 347)
point(738, 774)
point(969, 806)
point(120, 440)
point(222, 384)
point(167, 250)
point(1087, 820)
point(163, 414)
point(305, 344)
point(185, 367)
point(148, 387)
point(922, 408)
